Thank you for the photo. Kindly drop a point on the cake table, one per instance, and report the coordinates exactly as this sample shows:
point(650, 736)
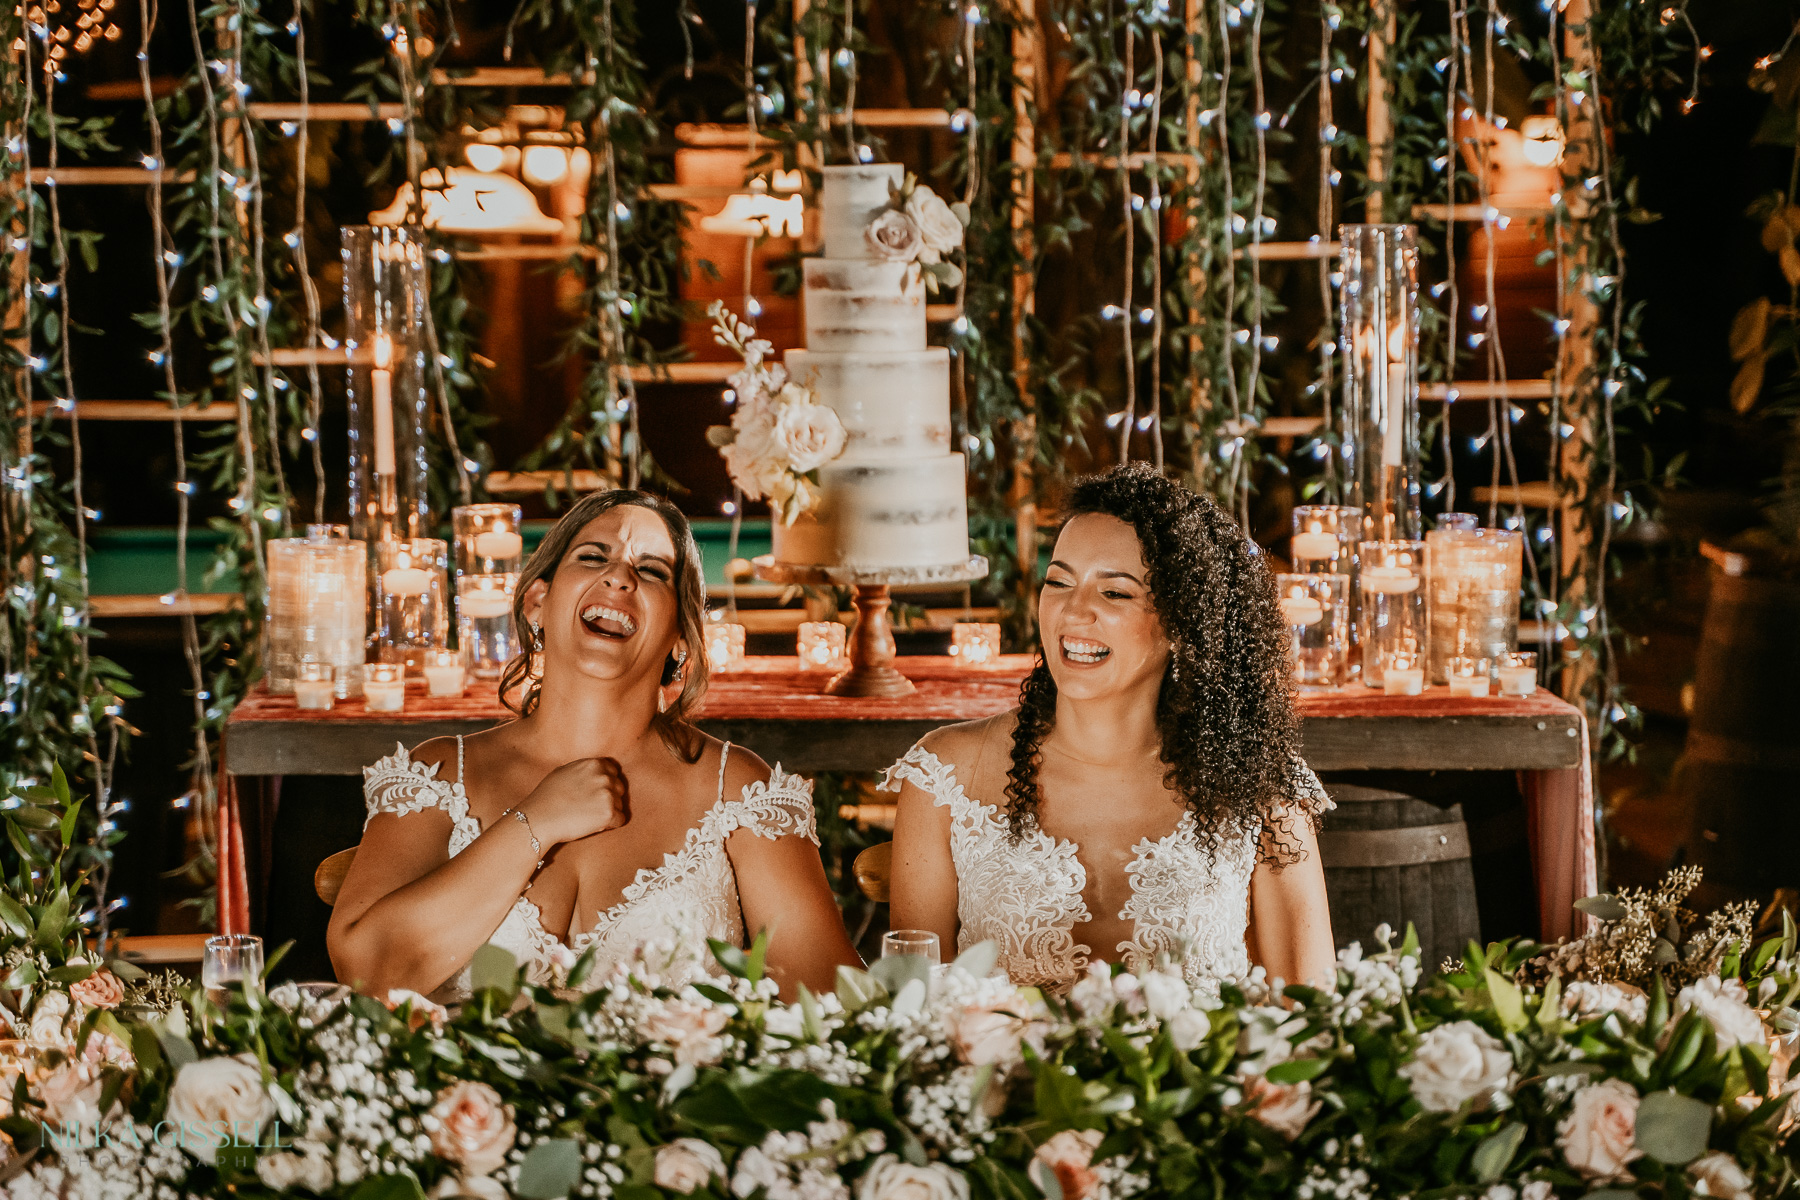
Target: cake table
point(871, 673)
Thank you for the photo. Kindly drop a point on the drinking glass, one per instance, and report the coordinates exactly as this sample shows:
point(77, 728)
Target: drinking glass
point(230, 959)
point(920, 942)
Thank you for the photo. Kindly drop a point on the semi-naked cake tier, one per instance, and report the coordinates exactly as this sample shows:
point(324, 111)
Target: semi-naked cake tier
point(870, 516)
point(895, 498)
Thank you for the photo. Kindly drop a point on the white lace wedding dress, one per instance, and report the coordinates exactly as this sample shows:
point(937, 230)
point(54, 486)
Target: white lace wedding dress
point(691, 897)
point(1026, 896)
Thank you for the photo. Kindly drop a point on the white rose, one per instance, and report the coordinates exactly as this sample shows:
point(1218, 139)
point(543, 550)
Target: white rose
point(71, 1093)
point(1718, 1175)
point(1599, 1136)
point(895, 236)
point(1093, 996)
point(1538, 1189)
point(891, 1179)
point(1583, 1001)
point(1263, 1042)
point(687, 1164)
point(481, 1187)
point(47, 1021)
point(286, 1171)
point(1723, 1002)
point(1165, 995)
point(1456, 1063)
point(993, 1031)
point(937, 224)
point(689, 1030)
point(1285, 1108)
point(755, 1172)
point(809, 435)
point(218, 1089)
point(1188, 1028)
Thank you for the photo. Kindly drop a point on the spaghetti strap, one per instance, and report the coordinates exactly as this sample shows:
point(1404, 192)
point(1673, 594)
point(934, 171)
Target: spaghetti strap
point(459, 759)
point(723, 753)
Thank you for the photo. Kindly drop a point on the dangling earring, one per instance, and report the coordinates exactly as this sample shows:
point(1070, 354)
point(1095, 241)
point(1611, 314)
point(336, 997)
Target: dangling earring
point(537, 650)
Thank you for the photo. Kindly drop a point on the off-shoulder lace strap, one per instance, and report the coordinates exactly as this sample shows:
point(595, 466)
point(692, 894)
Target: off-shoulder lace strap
point(777, 807)
point(925, 771)
point(398, 786)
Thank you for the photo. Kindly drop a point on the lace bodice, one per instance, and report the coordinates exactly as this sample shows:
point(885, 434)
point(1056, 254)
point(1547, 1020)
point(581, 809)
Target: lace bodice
point(1026, 897)
point(674, 908)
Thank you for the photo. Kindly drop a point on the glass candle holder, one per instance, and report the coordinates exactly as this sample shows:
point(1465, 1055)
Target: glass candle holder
point(1476, 576)
point(384, 310)
point(1518, 673)
point(488, 539)
point(724, 646)
point(318, 608)
point(443, 673)
point(315, 686)
point(484, 624)
point(1325, 538)
point(1403, 675)
point(1391, 608)
point(1458, 521)
point(1469, 676)
point(384, 687)
point(974, 643)
point(1379, 347)
point(1317, 611)
point(820, 646)
point(413, 618)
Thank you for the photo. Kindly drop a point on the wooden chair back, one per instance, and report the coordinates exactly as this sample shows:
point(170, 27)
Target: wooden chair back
point(328, 880)
point(873, 868)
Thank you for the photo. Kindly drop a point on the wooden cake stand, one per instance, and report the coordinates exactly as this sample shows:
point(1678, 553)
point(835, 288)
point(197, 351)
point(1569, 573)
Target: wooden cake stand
point(871, 672)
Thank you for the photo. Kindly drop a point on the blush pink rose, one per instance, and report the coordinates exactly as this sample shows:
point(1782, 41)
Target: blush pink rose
point(1599, 1136)
point(689, 1030)
point(102, 989)
point(474, 1129)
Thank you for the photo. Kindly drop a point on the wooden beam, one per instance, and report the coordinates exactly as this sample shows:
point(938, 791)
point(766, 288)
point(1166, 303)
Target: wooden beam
point(900, 118)
point(555, 251)
point(1136, 161)
point(1476, 213)
point(1380, 122)
point(499, 77)
point(1538, 493)
point(264, 111)
point(1290, 426)
point(75, 176)
point(1481, 389)
point(199, 604)
point(136, 410)
point(1023, 218)
point(534, 483)
point(1289, 251)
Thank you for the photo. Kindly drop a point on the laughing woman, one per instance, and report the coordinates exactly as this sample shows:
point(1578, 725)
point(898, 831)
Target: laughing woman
point(600, 819)
point(1146, 796)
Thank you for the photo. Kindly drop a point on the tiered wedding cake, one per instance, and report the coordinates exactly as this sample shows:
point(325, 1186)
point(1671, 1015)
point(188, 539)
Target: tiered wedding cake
point(895, 496)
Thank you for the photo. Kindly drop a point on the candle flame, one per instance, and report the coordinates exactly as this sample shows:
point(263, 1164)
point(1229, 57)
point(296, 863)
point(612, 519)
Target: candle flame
point(384, 352)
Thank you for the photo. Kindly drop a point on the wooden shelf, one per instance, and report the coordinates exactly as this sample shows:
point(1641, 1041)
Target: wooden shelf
point(1539, 493)
point(1290, 426)
point(1476, 213)
point(136, 410)
point(500, 77)
point(901, 118)
point(1481, 389)
point(67, 176)
point(1135, 162)
point(199, 604)
point(1288, 251)
point(317, 111)
point(553, 252)
point(533, 483)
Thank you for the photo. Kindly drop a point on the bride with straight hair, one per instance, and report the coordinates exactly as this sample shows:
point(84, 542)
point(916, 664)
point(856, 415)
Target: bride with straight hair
point(1146, 797)
point(600, 819)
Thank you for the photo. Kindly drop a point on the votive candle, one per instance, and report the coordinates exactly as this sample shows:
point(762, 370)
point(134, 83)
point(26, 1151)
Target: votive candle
point(1468, 676)
point(1518, 673)
point(384, 687)
point(975, 643)
point(724, 646)
point(443, 673)
point(1399, 680)
point(820, 645)
point(315, 686)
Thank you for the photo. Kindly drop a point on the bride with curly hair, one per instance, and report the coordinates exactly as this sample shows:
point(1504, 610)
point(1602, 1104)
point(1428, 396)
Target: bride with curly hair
point(1146, 797)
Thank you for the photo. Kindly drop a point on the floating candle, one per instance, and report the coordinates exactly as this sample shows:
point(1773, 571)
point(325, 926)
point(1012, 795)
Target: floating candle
point(498, 543)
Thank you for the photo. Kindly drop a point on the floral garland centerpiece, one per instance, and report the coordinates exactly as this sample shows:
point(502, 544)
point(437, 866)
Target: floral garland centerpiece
point(918, 227)
point(779, 435)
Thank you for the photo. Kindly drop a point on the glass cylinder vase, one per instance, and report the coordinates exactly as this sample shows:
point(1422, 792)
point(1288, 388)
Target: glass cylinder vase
point(318, 608)
point(1476, 576)
point(1391, 611)
point(412, 617)
point(384, 308)
point(484, 623)
point(1379, 344)
point(1316, 609)
point(489, 539)
point(1325, 538)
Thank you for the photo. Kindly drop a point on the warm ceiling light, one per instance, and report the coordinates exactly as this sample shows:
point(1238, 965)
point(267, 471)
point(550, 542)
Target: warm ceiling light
point(484, 156)
point(545, 165)
point(475, 202)
point(1543, 141)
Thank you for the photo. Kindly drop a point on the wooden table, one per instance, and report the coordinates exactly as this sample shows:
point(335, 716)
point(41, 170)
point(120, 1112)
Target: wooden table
point(783, 714)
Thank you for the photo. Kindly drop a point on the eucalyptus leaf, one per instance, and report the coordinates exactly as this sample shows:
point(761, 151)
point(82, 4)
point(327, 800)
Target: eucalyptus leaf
point(493, 967)
point(1496, 1150)
point(1602, 907)
point(979, 960)
point(897, 970)
point(856, 990)
point(1672, 1128)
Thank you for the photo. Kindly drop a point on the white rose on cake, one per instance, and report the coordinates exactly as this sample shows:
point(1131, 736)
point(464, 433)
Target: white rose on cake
point(941, 232)
point(895, 236)
point(809, 435)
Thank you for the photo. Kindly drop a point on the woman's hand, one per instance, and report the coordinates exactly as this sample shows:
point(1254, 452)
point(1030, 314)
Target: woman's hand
point(578, 799)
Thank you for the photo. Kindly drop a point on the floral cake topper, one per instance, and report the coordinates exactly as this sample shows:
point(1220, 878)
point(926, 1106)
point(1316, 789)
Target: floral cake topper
point(779, 436)
point(918, 227)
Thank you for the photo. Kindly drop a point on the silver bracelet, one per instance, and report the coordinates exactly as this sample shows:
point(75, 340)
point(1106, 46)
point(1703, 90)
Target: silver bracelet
point(537, 847)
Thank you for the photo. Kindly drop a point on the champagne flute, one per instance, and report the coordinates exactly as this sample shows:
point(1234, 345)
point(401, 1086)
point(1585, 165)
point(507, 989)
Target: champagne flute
point(231, 958)
point(921, 943)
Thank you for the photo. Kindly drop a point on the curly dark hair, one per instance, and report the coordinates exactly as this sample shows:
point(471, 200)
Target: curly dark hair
point(1230, 736)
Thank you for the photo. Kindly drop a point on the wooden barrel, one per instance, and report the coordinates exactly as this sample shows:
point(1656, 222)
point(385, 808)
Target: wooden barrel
point(1740, 772)
point(1391, 858)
